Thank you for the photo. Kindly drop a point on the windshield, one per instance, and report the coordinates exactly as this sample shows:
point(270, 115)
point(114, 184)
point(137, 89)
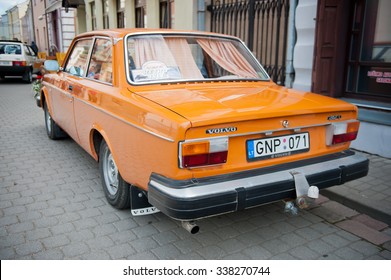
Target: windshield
point(158, 58)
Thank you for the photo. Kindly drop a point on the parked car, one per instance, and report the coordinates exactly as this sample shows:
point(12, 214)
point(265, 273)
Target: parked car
point(189, 123)
point(17, 59)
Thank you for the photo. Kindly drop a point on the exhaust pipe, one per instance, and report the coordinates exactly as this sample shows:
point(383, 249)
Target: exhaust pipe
point(191, 227)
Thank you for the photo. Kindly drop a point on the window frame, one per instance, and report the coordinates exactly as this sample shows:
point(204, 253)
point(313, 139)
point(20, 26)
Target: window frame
point(361, 33)
point(195, 35)
point(65, 70)
point(120, 14)
point(106, 12)
point(93, 16)
point(96, 38)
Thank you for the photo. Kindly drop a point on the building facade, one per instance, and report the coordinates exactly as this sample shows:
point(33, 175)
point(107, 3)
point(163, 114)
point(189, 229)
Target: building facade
point(40, 25)
point(4, 29)
point(343, 50)
point(336, 48)
point(60, 24)
point(102, 14)
point(17, 23)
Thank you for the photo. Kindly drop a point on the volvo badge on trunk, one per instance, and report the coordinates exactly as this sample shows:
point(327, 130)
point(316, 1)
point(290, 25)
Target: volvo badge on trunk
point(221, 130)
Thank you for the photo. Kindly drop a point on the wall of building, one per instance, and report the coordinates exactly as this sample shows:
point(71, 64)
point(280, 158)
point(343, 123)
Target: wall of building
point(26, 18)
point(40, 31)
point(67, 28)
point(17, 23)
point(14, 23)
point(81, 20)
point(186, 17)
point(4, 29)
point(373, 137)
point(304, 48)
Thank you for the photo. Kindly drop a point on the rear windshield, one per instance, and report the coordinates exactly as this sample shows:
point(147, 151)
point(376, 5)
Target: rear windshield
point(10, 48)
point(173, 58)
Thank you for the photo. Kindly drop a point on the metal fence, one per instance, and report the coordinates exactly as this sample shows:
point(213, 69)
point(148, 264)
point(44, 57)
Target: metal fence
point(261, 24)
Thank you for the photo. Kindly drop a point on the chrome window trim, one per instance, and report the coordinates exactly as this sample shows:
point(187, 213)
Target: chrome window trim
point(99, 81)
point(92, 38)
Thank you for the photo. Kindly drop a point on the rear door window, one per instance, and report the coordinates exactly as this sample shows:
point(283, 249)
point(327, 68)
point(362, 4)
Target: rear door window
point(100, 67)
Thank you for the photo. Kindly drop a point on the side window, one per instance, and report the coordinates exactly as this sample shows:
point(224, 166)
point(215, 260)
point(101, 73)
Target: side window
point(27, 50)
point(100, 67)
point(77, 61)
point(31, 51)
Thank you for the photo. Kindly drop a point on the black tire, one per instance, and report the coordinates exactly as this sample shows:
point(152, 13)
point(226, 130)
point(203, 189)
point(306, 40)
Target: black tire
point(28, 76)
point(116, 190)
point(53, 131)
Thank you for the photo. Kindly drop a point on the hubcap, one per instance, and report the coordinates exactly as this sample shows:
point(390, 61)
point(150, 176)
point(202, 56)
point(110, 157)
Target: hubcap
point(110, 172)
point(48, 121)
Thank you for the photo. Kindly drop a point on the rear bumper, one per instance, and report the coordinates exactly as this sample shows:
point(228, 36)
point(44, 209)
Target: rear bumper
point(13, 70)
point(198, 198)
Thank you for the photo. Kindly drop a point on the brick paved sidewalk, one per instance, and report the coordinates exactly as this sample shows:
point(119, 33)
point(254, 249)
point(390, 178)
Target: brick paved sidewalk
point(371, 194)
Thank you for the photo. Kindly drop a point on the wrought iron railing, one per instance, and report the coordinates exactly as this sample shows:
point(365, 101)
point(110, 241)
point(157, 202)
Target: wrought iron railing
point(261, 24)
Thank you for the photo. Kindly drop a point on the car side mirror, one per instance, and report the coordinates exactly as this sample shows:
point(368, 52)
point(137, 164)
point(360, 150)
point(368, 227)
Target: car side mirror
point(51, 65)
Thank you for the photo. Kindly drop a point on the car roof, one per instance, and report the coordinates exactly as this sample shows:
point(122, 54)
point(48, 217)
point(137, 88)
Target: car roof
point(120, 33)
point(11, 41)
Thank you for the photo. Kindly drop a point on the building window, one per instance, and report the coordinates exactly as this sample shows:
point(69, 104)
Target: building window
point(120, 13)
point(141, 13)
point(369, 64)
point(166, 13)
point(93, 16)
point(105, 14)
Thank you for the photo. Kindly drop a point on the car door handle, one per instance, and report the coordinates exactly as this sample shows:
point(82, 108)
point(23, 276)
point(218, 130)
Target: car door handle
point(70, 87)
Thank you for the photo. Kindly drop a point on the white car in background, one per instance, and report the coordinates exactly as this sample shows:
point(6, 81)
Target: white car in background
point(17, 59)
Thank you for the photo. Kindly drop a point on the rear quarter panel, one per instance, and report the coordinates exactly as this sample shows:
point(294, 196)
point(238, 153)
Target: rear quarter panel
point(141, 137)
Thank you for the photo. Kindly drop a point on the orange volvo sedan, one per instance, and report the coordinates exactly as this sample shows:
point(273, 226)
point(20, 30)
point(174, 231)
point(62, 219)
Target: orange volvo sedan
point(190, 124)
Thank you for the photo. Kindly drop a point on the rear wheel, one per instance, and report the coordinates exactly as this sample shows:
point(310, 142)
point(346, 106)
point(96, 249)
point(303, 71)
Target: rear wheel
point(28, 76)
point(116, 190)
point(52, 129)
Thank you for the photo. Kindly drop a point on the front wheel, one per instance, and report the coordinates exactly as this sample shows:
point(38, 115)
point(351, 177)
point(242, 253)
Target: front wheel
point(116, 190)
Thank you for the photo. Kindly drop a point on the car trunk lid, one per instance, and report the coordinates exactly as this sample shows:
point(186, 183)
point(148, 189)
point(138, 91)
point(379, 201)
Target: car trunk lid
point(234, 102)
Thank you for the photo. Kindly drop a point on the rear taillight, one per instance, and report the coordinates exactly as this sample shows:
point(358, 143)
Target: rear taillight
point(19, 63)
point(203, 153)
point(342, 132)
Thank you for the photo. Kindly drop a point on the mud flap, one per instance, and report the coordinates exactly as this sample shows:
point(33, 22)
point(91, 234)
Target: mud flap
point(139, 203)
point(305, 193)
